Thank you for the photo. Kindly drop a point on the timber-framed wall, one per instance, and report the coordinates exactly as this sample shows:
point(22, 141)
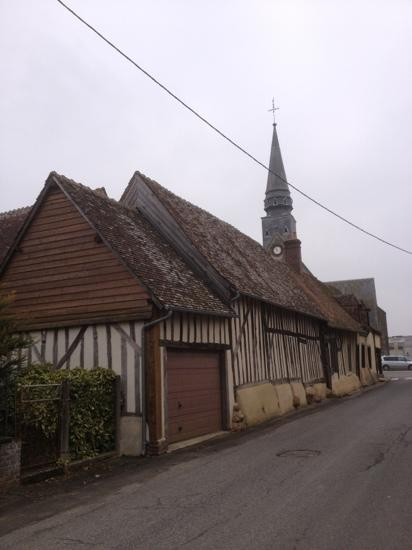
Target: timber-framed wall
point(261, 343)
point(274, 344)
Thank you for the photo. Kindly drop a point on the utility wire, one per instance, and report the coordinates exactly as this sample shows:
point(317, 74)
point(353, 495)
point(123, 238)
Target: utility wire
point(227, 138)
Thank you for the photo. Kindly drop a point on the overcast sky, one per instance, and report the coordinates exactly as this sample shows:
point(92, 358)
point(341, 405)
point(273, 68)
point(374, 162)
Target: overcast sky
point(341, 73)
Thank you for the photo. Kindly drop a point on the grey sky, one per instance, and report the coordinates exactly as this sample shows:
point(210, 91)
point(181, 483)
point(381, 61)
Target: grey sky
point(341, 73)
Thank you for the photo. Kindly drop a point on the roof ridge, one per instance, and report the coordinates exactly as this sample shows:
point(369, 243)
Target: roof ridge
point(90, 190)
point(14, 211)
point(350, 280)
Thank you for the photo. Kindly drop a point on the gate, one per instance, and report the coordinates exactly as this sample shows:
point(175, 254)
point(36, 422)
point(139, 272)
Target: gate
point(40, 418)
point(7, 413)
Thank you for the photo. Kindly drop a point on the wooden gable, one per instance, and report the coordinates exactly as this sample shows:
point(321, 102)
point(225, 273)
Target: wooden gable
point(63, 274)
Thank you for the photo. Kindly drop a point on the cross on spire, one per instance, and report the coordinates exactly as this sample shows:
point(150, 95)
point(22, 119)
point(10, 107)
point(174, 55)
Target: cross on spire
point(273, 109)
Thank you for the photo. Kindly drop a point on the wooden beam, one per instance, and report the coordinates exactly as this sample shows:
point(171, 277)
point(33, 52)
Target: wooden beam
point(72, 347)
point(291, 333)
point(154, 389)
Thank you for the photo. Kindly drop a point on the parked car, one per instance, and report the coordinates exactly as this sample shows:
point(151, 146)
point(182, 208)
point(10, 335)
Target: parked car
point(396, 362)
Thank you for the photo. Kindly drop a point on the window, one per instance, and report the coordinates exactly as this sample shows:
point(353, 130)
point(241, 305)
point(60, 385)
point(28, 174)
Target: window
point(369, 357)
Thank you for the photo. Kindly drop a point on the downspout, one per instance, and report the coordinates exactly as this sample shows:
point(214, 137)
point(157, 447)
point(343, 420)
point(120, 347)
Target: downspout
point(144, 415)
point(232, 303)
point(235, 297)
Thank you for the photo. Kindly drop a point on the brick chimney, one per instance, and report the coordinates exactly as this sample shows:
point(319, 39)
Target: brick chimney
point(293, 255)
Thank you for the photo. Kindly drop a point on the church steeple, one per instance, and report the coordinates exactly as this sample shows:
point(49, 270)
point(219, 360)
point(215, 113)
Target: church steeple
point(279, 223)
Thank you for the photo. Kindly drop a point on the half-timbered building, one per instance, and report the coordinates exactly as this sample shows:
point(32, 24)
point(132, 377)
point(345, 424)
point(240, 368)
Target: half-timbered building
point(279, 236)
point(369, 347)
point(288, 333)
point(89, 275)
point(340, 339)
point(208, 329)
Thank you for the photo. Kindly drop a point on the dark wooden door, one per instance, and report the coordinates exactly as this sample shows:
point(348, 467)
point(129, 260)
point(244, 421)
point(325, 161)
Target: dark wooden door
point(194, 394)
point(378, 360)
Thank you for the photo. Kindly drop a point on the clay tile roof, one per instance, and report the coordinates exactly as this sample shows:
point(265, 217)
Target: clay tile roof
point(145, 253)
point(242, 261)
point(101, 191)
point(10, 223)
point(325, 300)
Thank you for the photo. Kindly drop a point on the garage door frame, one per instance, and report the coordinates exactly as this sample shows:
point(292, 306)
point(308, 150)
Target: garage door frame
point(224, 398)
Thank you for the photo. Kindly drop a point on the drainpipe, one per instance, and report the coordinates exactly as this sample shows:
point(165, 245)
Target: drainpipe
point(235, 297)
point(145, 327)
point(232, 302)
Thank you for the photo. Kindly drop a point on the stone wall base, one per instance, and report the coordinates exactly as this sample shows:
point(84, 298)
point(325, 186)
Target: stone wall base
point(258, 403)
point(345, 384)
point(10, 457)
point(263, 401)
point(367, 377)
point(130, 437)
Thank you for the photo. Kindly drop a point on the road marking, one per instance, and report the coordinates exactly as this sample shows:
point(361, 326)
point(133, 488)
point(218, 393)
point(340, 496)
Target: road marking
point(394, 378)
point(408, 377)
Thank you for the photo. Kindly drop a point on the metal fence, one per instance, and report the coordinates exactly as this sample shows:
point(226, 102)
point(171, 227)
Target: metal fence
point(39, 415)
point(40, 444)
point(7, 412)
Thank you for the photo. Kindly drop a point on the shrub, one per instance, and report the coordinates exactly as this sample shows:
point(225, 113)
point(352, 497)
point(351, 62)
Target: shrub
point(12, 344)
point(92, 421)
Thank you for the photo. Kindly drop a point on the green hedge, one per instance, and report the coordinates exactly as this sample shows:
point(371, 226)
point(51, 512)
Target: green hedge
point(92, 421)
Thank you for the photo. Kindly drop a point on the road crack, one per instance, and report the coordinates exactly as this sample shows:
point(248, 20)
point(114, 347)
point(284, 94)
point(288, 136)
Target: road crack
point(77, 541)
point(382, 455)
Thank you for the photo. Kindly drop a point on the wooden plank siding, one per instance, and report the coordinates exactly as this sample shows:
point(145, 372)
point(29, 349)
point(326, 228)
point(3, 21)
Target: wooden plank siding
point(63, 274)
point(115, 346)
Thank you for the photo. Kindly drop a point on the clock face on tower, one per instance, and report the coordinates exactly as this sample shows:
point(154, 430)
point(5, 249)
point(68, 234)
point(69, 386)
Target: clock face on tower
point(277, 250)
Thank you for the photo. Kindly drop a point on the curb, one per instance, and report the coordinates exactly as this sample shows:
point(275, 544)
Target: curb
point(278, 421)
point(64, 469)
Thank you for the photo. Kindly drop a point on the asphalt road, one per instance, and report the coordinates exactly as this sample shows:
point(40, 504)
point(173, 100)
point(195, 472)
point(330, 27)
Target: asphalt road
point(339, 478)
point(398, 374)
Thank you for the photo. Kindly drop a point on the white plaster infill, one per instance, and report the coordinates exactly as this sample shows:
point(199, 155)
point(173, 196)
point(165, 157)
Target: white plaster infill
point(194, 441)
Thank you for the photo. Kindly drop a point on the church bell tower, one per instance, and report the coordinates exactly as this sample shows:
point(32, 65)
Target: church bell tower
point(279, 225)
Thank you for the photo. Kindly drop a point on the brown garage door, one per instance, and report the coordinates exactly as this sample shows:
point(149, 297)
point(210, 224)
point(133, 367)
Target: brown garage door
point(194, 394)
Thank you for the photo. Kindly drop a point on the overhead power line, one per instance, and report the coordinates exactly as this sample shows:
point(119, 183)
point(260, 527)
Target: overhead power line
point(227, 138)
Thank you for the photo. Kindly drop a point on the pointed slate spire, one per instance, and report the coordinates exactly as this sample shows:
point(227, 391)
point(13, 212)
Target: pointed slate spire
point(279, 221)
point(276, 183)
